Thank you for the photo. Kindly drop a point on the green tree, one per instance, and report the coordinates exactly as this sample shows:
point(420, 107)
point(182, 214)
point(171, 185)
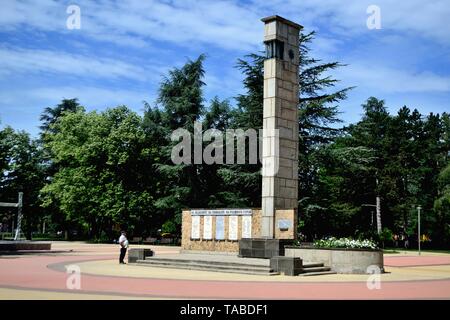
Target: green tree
point(51, 115)
point(99, 182)
point(402, 157)
point(442, 209)
point(181, 103)
point(48, 119)
point(318, 117)
point(22, 171)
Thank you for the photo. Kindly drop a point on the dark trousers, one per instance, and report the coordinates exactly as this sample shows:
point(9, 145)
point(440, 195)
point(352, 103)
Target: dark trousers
point(123, 252)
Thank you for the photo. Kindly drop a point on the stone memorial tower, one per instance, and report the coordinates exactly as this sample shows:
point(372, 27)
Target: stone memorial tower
point(262, 233)
point(280, 139)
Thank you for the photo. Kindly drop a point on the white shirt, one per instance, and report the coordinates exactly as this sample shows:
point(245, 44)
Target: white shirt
point(123, 241)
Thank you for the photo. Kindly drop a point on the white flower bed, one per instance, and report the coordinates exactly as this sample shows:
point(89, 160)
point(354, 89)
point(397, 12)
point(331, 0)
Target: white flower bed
point(333, 242)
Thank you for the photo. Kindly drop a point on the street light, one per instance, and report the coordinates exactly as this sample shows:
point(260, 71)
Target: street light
point(377, 207)
point(418, 226)
point(371, 212)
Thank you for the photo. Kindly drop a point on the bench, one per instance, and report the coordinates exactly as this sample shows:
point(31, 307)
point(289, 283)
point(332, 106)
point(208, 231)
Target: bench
point(136, 240)
point(150, 240)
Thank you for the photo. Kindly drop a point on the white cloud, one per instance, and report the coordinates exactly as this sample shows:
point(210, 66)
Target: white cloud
point(231, 25)
point(222, 23)
point(34, 100)
point(43, 15)
point(391, 80)
point(428, 19)
point(22, 106)
point(26, 61)
point(225, 85)
point(92, 97)
point(225, 24)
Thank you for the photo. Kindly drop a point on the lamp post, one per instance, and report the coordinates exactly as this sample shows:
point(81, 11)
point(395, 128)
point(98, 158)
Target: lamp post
point(378, 215)
point(19, 206)
point(418, 226)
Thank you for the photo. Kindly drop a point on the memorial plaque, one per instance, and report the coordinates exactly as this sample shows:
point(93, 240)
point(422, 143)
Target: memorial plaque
point(246, 227)
point(220, 227)
point(284, 224)
point(222, 212)
point(207, 227)
point(195, 227)
point(233, 227)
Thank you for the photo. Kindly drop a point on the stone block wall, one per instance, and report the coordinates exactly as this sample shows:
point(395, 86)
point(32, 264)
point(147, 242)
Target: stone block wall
point(227, 245)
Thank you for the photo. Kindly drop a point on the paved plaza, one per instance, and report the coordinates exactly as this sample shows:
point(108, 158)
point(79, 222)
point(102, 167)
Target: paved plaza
point(44, 276)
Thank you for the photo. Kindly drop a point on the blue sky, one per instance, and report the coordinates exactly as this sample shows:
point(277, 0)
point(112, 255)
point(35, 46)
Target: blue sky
point(124, 48)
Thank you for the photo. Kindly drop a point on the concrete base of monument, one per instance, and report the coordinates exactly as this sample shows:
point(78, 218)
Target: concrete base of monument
point(139, 254)
point(184, 251)
point(289, 266)
point(262, 248)
point(206, 262)
point(24, 246)
point(352, 261)
point(227, 263)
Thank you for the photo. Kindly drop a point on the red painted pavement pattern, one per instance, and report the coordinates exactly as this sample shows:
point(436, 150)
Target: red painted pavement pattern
point(33, 273)
point(409, 261)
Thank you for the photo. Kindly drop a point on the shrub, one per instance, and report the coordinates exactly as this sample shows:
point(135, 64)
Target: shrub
point(386, 235)
point(169, 227)
point(333, 242)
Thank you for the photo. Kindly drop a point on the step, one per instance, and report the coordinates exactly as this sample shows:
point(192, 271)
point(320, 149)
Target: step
point(316, 269)
point(228, 267)
point(260, 270)
point(209, 268)
point(204, 264)
point(312, 265)
point(210, 262)
point(307, 274)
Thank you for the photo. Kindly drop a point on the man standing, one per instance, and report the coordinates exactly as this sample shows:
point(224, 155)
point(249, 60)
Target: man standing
point(123, 246)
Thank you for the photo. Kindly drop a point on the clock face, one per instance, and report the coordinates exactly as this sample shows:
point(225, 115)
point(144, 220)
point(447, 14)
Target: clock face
point(291, 54)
